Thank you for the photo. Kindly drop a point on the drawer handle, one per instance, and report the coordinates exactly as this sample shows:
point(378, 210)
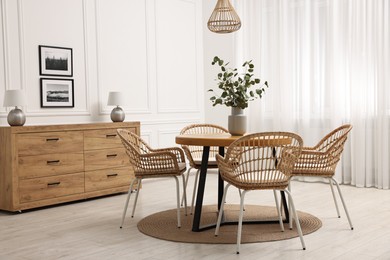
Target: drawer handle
point(52, 139)
point(52, 184)
point(112, 175)
point(53, 162)
point(111, 136)
point(111, 155)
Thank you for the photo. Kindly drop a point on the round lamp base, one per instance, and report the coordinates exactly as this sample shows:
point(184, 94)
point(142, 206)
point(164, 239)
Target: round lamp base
point(117, 115)
point(16, 117)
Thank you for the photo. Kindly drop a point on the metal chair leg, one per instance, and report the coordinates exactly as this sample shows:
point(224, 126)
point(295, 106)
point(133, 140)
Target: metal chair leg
point(186, 183)
point(334, 197)
point(178, 201)
point(298, 225)
point(278, 210)
point(344, 205)
point(240, 221)
point(289, 203)
point(127, 201)
point(221, 210)
point(184, 195)
point(194, 191)
point(136, 197)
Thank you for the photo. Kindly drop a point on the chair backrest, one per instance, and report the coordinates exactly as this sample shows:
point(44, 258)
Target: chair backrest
point(196, 151)
point(333, 145)
point(337, 135)
point(265, 159)
point(322, 159)
point(134, 146)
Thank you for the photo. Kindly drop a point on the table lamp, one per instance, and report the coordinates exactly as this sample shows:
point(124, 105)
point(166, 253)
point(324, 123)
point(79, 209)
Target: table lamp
point(116, 99)
point(15, 98)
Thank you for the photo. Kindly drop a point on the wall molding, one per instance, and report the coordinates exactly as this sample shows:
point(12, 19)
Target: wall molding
point(5, 62)
point(40, 112)
point(103, 109)
point(86, 58)
point(171, 121)
point(197, 106)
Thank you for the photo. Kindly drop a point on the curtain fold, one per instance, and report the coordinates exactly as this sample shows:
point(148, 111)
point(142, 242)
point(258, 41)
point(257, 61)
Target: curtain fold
point(327, 63)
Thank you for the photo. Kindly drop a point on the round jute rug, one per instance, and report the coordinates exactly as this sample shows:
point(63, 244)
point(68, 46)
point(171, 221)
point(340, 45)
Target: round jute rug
point(163, 225)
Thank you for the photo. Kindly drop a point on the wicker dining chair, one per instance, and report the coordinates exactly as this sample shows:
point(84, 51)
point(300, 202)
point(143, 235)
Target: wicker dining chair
point(321, 161)
point(194, 153)
point(152, 163)
point(260, 161)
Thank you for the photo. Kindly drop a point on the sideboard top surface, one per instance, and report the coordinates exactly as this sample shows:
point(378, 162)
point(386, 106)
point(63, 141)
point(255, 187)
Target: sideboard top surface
point(68, 127)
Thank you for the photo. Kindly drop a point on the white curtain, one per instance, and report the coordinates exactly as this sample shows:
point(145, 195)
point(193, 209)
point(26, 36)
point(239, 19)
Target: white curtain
point(327, 63)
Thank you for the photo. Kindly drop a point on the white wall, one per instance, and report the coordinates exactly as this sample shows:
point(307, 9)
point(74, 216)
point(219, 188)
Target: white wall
point(151, 50)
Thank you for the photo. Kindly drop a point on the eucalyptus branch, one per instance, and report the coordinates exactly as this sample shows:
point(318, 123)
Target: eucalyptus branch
point(237, 89)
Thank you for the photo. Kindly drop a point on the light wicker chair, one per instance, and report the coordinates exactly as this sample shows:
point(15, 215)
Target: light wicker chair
point(321, 161)
point(152, 163)
point(194, 153)
point(261, 161)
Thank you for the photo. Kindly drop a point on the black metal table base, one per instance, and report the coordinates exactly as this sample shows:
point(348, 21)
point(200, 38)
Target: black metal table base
point(200, 194)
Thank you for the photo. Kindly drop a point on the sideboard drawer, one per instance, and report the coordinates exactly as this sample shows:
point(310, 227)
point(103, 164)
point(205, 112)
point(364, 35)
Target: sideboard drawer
point(49, 142)
point(102, 139)
point(109, 178)
point(107, 158)
point(50, 164)
point(51, 187)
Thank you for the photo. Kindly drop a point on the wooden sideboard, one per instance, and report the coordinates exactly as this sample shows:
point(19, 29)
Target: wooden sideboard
point(51, 164)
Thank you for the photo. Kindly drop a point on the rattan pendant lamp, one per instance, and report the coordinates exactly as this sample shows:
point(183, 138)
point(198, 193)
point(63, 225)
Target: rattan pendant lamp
point(224, 18)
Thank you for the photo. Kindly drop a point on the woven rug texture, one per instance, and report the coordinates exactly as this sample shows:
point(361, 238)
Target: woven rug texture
point(163, 225)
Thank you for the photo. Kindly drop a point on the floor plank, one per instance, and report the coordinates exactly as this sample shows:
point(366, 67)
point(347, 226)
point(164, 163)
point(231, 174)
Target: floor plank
point(90, 229)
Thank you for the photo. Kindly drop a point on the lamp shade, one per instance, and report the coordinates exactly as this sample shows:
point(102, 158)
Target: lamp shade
point(13, 98)
point(224, 18)
point(115, 99)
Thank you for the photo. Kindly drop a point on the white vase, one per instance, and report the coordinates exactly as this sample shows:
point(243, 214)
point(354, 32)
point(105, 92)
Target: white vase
point(237, 122)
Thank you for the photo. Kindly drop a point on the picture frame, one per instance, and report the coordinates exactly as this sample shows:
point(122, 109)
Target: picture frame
point(55, 61)
point(57, 92)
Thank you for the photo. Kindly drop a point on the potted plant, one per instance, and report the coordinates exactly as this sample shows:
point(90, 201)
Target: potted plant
point(237, 89)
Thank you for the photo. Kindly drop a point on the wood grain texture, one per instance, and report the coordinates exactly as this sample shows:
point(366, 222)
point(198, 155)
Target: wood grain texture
point(102, 139)
point(105, 158)
point(52, 142)
point(90, 229)
point(108, 178)
point(51, 187)
point(45, 165)
point(50, 164)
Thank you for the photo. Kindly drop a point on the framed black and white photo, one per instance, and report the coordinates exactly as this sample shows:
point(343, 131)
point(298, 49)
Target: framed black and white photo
point(55, 61)
point(57, 92)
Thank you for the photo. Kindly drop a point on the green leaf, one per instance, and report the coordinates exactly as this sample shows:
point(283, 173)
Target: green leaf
point(251, 66)
point(257, 81)
point(220, 62)
point(212, 98)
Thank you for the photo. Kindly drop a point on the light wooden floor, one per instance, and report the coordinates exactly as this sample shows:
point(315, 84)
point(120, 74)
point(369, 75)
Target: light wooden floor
point(90, 229)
